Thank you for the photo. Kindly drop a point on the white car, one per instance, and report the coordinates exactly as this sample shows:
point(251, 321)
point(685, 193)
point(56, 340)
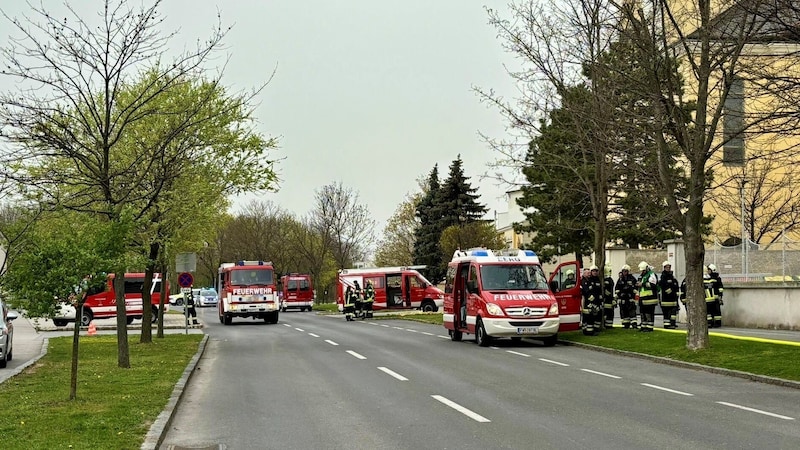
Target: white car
point(6, 336)
point(65, 313)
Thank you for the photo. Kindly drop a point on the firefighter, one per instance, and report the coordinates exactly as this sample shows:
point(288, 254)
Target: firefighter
point(648, 296)
point(349, 305)
point(191, 311)
point(570, 281)
point(369, 298)
point(609, 302)
point(592, 290)
point(714, 290)
point(357, 299)
point(683, 295)
point(626, 297)
point(669, 288)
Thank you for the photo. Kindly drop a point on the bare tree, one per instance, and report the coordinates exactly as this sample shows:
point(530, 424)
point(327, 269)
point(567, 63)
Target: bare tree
point(396, 248)
point(343, 222)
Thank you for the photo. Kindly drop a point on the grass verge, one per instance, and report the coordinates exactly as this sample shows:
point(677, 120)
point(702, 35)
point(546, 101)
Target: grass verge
point(114, 407)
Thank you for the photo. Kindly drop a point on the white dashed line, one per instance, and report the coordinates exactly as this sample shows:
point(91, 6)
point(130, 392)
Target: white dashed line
point(300, 329)
point(732, 405)
point(392, 373)
point(330, 342)
point(357, 355)
point(427, 334)
point(518, 353)
point(668, 390)
point(287, 325)
point(601, 373)
point(554, 362)
point(313, 335)
point(472, 415)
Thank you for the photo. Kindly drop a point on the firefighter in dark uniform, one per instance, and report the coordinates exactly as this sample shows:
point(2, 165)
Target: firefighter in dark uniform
point(714, 290)
point(191, 311)
point(369, 298)
point(357, 299)
point(349, 303)
point(592, 290)
point(609, 303)
point(648, 296)
point(668, 285)
point(626, 297)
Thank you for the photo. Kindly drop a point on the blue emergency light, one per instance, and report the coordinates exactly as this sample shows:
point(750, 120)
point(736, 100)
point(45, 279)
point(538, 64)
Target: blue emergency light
point(529, 253)
point(480, 253)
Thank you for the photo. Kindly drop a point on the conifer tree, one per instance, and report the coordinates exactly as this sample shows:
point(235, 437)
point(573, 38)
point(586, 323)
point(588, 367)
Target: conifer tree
point(427, 235)
point(458, 200)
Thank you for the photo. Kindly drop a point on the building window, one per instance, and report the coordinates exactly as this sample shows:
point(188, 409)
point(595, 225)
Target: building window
point(733, 121)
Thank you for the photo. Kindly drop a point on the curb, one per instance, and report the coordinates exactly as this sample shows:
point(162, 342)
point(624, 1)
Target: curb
point(155, 435)
point(672, 362)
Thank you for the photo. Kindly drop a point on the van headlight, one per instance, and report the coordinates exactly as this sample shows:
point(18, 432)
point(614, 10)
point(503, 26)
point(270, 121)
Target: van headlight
point(494, 310)
point(553, 310)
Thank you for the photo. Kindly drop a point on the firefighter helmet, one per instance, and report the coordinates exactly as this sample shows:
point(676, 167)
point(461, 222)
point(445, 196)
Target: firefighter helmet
point(626, 267)
point(712, 267)
point(570, 272)
point(643, 266)
point(593, 268)
point(665, 264)
point(607, 270)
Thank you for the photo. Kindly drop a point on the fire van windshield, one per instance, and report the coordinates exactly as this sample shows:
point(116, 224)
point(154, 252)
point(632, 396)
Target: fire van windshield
point(251, 277)
point(513, 277)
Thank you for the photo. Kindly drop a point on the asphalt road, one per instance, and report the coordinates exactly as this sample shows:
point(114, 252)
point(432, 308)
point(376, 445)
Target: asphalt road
point(315, 381)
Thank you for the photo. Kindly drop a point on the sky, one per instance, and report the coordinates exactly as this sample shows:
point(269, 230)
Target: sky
point(369, 93)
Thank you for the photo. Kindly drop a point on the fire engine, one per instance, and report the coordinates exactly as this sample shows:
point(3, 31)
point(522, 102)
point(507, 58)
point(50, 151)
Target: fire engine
point(102, 303)
point(499, 294)
point(395, 288)
point(297, 292)
point(247, 289)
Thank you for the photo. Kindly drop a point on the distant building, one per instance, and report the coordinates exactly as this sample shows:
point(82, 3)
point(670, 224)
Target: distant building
point(504, 221)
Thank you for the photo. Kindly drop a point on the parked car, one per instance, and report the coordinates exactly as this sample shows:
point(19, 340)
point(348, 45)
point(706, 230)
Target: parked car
point(207, 297)
point(65, 313)
point(6, 336)
point(177, 299)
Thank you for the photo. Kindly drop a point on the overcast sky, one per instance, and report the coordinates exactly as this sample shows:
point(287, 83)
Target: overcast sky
point(370, 93)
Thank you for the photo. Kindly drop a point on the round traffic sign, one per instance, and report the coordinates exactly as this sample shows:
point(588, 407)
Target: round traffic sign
point(185, 279)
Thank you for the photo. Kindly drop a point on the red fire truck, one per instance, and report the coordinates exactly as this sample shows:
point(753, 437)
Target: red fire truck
point(102, 304)
point(297, 292)
point(494, 295)
point(395, 288)
point(247, 289)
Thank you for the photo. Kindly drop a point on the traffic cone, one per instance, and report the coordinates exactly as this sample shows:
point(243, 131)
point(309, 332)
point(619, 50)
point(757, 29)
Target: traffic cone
point(92, 329)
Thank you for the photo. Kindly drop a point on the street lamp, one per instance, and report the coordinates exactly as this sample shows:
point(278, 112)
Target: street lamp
point(744, 229)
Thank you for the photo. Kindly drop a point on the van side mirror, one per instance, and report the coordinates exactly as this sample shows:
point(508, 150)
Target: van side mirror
point(554, 286)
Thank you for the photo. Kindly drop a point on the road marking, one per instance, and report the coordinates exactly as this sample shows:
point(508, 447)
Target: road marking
point(313, 335)
point(413, 331)
point(359, 356)
point(398, 328)
point(668, 390)
point(518, 353)
point(393, 373)
point(299, 329)
point(601, 373)
point(472, 415)
point(732, 405)
point(287, 325)
point(554, 362)
point(330, 342)
point(384, 325)
point(427, 334)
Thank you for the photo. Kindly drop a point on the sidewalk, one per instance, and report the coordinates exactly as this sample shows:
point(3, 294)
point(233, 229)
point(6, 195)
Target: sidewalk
point(30, 336)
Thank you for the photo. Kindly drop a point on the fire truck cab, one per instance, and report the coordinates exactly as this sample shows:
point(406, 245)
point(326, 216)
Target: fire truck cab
point(297, 292)
point(395, 288)
point(495, 295)
point(247, 289)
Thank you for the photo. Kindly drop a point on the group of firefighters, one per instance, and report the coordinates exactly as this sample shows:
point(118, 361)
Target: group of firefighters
point(602, 296)
point(358, 303)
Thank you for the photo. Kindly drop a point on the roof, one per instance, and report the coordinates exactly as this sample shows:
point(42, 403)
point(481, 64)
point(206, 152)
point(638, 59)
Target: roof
point(765, 22)
point(489, 256)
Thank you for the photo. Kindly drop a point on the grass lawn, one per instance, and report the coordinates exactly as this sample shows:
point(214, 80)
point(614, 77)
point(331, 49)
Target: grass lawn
point(115, 407)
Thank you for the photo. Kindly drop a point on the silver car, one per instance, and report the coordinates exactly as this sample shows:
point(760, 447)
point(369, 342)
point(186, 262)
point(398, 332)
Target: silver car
point(6, 336)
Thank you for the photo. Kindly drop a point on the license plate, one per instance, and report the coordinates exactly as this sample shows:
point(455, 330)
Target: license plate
point(527, 330)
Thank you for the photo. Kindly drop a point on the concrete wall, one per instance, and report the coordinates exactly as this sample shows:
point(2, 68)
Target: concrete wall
point(770, 307)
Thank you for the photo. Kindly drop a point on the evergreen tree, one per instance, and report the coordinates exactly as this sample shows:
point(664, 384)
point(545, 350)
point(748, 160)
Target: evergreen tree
point(458, 199)
point(427, 235)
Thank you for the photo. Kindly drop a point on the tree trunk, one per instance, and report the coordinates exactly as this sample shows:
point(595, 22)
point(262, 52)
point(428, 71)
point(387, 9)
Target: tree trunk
point(123, 353)
point(697, 326)
point(76, 334)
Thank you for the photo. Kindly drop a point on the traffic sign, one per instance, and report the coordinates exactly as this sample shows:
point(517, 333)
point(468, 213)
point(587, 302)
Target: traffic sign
point(185, 280)
point(186, 290)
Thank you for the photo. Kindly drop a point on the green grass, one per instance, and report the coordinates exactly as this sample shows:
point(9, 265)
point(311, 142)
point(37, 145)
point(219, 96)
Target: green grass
point(114, 407)
point(326, 307)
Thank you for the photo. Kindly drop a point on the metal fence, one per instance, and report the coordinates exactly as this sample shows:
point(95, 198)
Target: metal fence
point(775, 262)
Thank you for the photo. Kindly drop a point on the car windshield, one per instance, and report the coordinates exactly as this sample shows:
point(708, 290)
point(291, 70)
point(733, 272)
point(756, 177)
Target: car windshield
point(208, 293)
point(513, 277)
point(251, 277)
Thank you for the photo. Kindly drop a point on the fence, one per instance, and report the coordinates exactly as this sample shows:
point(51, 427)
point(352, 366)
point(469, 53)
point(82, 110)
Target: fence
point(777, 261)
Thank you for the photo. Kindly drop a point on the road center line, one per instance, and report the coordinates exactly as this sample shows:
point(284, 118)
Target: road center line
point(518, 353)
point(413, 331)
point(732, 405)
point(601, 373)
point(357, 355)
point(443, 337)
point(472, 415)
point(427, 334)
point(299, 329)
point(554, 362)
point(668, 390)
point(392, 373)
point(330, 342)
point(287, 325)
point(313, 335)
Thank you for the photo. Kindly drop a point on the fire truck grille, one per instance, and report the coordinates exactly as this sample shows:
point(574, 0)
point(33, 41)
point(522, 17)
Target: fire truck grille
point(526, 312)
point(524, 323)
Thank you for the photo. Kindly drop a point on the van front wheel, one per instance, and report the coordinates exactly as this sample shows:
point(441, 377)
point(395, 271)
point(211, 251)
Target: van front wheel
point(86, 317)
point(429, 306)
point(481, 338)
